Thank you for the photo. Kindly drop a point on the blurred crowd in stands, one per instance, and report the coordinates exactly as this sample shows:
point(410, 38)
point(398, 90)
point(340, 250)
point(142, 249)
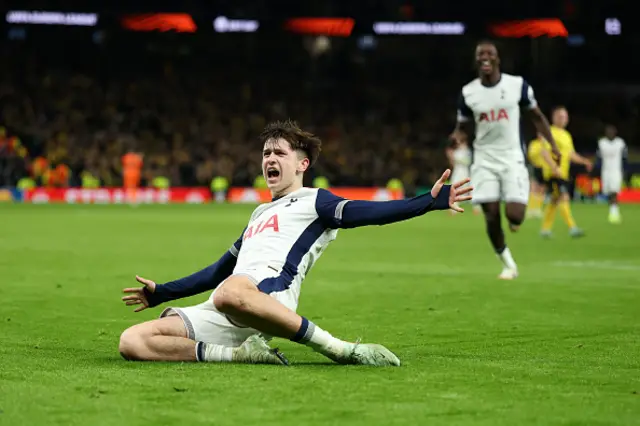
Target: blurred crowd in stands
point(63, 121)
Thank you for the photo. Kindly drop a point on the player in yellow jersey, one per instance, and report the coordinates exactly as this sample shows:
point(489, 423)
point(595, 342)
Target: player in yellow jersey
point(556, 177)
point(538, 190)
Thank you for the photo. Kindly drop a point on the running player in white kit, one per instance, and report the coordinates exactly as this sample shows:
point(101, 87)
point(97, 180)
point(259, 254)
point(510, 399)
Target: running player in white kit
point(493, 102)
point(612, 153)
point(257, 282)
point(460, 156)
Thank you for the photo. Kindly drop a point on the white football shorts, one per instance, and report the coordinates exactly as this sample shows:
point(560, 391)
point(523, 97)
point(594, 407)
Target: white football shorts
point(206, 324)
point(509, 184)
point(611, 183)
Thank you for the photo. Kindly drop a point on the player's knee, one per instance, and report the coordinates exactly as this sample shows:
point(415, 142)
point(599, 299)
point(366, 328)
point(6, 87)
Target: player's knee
point(515, 213)
point(231, 296)
point(516, 218)
point(131, 344)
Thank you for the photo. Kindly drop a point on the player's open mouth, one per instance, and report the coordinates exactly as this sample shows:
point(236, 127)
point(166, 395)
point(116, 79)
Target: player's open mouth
point(486, 66)
point(272, 173)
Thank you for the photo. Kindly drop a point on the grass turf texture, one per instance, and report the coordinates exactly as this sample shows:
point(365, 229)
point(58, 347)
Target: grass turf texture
point(558, 346)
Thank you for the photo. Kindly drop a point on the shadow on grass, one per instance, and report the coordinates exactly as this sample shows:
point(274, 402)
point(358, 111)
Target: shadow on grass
point(313, 364)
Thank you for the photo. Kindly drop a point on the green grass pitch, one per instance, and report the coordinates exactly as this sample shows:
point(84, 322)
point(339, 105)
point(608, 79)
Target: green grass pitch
point(559, 346)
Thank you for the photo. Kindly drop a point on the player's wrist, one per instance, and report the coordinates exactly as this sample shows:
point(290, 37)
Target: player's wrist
point(441, 201)
point(155, 297)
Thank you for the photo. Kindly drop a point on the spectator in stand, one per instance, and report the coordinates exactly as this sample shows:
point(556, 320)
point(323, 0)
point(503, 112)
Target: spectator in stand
point(131, 173)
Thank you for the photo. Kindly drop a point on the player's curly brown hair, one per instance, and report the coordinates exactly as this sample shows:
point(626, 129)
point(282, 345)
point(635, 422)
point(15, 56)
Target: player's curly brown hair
point(298, 139)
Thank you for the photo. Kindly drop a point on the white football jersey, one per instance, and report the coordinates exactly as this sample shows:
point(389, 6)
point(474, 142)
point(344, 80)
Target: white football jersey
point(496, 112)
point(287, 235)
point(612, 153)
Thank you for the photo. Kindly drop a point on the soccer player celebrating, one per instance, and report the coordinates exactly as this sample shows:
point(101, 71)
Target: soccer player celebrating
point(557, 176)
point(612, 154)
point(493, 102)
point(257, 282)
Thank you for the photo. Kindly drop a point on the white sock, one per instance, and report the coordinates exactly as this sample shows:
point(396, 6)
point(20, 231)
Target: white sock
point(320, 340)
point(507, 259)
point(207, 352)
point(613, 209)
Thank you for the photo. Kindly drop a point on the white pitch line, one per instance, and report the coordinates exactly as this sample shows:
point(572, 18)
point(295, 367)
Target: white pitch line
point(598, 264)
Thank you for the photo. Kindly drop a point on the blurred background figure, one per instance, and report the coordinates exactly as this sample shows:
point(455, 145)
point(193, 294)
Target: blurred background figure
point(538, 191)
point(612, 156)
point(459, 156)
point(131, 174)
point(557, 178)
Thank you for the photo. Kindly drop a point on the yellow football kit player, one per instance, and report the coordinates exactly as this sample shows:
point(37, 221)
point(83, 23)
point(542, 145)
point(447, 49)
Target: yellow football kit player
point(556, 181)
point(537, 161)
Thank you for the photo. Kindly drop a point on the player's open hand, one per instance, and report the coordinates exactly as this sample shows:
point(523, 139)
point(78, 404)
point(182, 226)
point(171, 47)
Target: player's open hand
point(459, 192)
point(136, 295)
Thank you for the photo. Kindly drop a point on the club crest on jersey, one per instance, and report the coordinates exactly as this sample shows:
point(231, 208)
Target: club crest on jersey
point(494, 115)
point(260, 227)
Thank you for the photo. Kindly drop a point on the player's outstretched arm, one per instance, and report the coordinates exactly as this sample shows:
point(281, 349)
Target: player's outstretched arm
point(546, 156)
point(152, 294)
point(542, 126)
point(528, 101)
point(337, 212)
point(579, 159)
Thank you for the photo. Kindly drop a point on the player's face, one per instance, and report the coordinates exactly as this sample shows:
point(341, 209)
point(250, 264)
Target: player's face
point(281, 165)
point(487, 59)
point(560, 118)
point(610, 132)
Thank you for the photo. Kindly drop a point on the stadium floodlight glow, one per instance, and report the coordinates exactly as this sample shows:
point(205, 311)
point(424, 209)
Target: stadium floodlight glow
point(548, 27)
point(163, 22)
point(416, 28)
point(612, 26)
point(51, 18)
point(333, 27)
point(222, 24)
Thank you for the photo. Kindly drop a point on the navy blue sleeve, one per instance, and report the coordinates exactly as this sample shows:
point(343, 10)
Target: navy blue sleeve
point(337, 212)
point(527, 98)
point(198, 282)
point(463, 109)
